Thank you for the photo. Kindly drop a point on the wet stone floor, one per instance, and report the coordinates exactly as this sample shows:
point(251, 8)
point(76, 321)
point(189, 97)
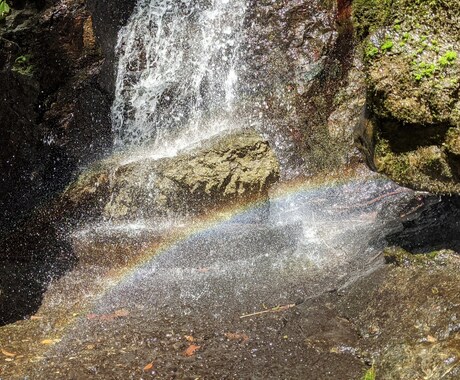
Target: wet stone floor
point(298, 289)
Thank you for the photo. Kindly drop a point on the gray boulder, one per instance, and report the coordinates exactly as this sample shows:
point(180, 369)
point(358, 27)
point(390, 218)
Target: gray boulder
point(225, 169)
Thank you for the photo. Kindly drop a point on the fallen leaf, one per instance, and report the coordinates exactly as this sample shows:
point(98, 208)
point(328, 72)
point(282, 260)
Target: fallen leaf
point(7, 353)
point(189, 338)
point(50, 341)
point(190, 351)
point(148, 367)
point(237, 336)
point(106, 317)
point(121, 313)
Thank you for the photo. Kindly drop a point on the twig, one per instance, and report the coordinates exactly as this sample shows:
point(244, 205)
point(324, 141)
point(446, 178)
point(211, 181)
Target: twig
point(449, 370)
point(372, 201)
point(276, 309)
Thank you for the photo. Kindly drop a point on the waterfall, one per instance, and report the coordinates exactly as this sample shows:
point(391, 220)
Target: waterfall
point(177, 75)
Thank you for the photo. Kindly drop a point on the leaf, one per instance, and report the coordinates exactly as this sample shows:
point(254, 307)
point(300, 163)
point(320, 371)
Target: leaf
point(121, 313)
point(8, 353)
point(50, 341)
point(148, 367)
point(189, 338)
point(4, 9)
point(237, 336)
point(190, 351)
point(106, 317)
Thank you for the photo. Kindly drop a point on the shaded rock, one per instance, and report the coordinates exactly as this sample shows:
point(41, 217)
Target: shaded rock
point(224, 169)
point(407, 317)
point(57, 86)
point(424, 168)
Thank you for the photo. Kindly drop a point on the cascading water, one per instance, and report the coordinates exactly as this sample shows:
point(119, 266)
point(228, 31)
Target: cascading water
point(177, 78)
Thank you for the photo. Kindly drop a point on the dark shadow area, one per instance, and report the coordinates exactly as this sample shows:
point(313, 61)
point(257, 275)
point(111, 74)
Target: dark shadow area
point(31, 257)
point(408, 137)
point(437, 227)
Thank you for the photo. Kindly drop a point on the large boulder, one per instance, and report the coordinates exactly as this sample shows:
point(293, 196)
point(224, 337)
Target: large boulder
point(412, 55)
point(222, 170)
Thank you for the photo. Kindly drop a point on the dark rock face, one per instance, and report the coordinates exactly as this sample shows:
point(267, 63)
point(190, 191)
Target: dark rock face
point(300, 59)
point(108, 16)
point(57, 85)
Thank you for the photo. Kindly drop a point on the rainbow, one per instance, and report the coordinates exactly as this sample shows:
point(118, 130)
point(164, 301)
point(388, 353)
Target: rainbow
point(217, 216)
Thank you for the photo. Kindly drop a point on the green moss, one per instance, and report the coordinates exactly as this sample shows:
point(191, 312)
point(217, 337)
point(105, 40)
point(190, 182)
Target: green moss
point(400, 257)
point(426, 168)
point(448, 58)
point(368, 15)
point(387, 45)
point(23, 66)
point(424, 70)
point(452, 143)
point(370, 374)
point(372, 51)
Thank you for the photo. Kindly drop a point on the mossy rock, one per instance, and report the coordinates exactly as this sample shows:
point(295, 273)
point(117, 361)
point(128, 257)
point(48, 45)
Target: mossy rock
point(426, 168)
point(225, 169)
point(452, 143)
point(411, 50)
point(400, 257)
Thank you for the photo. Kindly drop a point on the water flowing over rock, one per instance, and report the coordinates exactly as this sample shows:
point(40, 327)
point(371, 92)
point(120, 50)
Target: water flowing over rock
point(217, 219)
point(227, 168)
point(178, 68)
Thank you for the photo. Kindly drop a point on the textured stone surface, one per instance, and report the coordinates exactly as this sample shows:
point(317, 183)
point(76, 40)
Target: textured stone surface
point(224, 169)
point(57, 92)
point(412, 54)
point(300, 54)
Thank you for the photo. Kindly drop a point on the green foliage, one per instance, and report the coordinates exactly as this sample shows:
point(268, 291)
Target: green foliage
point(387, 45)
point(448, 58)
point(424, 70)
point(4, 9)
point(23, 66)
point(371, 51)
point(370, 374)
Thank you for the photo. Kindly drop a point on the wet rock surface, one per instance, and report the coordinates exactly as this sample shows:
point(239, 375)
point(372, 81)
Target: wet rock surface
point(224, 169)
point(300, 66)
point(303, 292)
point(57, 94)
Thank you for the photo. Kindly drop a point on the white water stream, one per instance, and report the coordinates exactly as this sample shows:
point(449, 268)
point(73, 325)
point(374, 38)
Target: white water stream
point(177, 75)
